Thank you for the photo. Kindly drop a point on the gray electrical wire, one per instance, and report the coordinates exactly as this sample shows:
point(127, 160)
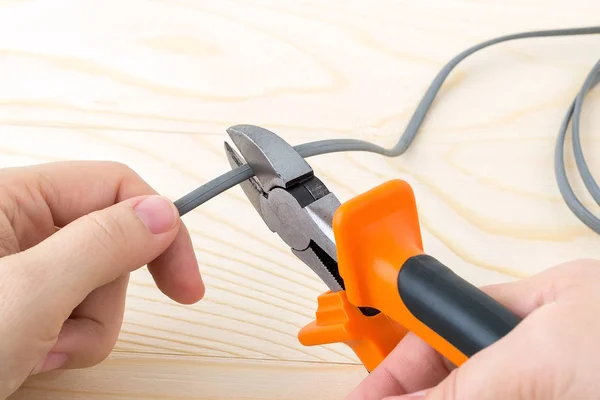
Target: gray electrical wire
point(566, 191)
point(586, 175)
point(240, 174)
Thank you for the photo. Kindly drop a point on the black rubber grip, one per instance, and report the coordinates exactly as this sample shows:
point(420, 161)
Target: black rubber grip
point(459, 312)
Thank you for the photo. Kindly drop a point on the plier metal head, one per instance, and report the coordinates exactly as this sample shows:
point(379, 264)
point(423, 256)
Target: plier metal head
point(291, 200)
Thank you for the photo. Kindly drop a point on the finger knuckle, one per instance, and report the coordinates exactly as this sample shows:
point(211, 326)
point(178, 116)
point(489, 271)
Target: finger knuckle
point(588, 266)
point(129, 181)
point(450, 390)
point(107, 231)
point(570, 277)
point(123, 170)
point(101, 348)
point(118, 166)
point(106, 343)
point(582, 268)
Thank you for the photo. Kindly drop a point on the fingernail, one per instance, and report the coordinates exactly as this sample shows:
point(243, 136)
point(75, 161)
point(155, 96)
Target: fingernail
point(157, 213)
point(413, 396)
point(50, 363)
point(417, 395)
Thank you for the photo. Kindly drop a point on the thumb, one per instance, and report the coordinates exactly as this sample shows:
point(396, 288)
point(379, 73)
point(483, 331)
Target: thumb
point(92, 251)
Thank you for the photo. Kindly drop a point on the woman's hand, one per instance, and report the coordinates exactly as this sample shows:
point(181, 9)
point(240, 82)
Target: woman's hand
point(70, 234)
point(553, 354)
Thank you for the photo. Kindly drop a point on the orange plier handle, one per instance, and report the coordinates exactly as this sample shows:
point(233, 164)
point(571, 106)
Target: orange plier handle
point(381, 260)
point(371, 337)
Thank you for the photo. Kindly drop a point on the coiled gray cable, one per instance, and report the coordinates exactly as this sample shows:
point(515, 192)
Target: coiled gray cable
point(574, 113)
point(240, 174)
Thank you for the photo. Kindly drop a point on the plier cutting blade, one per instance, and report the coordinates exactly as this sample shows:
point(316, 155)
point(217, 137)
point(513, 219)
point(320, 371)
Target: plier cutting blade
point(368, 251)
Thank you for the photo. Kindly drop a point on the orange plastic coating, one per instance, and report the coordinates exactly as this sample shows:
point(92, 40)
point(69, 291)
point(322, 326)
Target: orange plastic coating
point(375, 233)
point(338, 321)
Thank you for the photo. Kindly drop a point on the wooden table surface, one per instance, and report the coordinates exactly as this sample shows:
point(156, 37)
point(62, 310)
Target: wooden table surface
point(154, 84)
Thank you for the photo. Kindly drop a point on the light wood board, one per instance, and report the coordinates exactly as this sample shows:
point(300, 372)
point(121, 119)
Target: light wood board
point(154, 84)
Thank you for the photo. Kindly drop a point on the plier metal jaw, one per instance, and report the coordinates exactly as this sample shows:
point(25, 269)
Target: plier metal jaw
point(369, 253)
point(291, 200)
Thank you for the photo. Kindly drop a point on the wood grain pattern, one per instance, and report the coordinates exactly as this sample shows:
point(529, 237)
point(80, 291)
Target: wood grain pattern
point(198, 378)
point(154, 84)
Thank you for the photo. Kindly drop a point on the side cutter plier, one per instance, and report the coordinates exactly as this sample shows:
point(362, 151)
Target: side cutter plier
point(369, 253)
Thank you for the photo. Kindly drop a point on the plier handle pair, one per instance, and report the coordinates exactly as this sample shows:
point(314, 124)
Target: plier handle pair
point(369, 253)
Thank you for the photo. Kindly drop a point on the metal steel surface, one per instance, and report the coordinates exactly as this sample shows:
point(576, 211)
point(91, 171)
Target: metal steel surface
point(291, 201)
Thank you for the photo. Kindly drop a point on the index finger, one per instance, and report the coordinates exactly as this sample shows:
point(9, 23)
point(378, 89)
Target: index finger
point(74, 189)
